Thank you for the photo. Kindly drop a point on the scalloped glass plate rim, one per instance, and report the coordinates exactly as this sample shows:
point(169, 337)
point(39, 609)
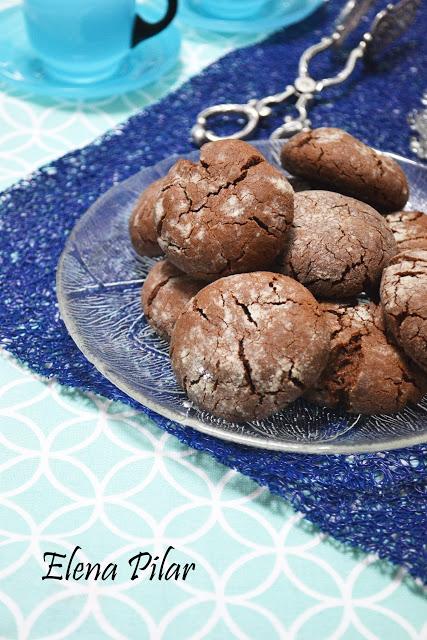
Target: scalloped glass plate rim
point(270, 444)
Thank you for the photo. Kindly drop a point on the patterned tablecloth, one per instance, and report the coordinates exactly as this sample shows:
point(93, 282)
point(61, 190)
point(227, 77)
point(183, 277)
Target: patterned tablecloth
point(82, 471)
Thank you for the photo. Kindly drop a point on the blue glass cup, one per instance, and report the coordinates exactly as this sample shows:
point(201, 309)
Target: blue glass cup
point(229, 9)
point(84, 41)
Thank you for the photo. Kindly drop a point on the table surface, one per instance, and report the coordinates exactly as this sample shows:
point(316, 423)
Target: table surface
point(80, 470)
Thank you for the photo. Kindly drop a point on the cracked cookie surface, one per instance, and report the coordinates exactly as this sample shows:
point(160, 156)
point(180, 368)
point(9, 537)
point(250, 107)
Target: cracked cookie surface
point(404, 298)
point(366, 373)
point(227, 214)
point(337, 246)
point(142, 227)
point(249, 344)
point(164, 295)
point(409, 229)
point(334, 159)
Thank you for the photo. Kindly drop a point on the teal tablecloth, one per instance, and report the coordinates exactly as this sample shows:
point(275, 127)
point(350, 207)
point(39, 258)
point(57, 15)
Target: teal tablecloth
point(82, 471)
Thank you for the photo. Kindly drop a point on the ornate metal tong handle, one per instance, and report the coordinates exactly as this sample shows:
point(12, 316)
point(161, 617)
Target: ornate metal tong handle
point(387, 26)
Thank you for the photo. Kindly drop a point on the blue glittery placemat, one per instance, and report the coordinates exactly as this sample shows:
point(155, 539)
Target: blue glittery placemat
point(375, 501)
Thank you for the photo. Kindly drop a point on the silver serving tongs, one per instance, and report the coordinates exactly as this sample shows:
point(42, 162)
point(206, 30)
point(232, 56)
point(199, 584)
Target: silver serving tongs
point(387, 26)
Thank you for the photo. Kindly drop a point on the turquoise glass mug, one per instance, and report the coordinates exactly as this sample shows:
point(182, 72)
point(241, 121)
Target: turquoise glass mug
point(84, 41)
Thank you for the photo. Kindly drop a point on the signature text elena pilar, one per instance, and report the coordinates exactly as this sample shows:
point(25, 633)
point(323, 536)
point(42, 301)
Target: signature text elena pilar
point(142, 565)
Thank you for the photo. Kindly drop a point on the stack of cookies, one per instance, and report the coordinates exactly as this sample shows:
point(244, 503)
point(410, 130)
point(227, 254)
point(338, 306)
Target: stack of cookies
point(271, 289)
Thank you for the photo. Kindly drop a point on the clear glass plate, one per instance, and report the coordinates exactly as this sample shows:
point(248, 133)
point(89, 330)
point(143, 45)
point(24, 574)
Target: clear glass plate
point(98, 286)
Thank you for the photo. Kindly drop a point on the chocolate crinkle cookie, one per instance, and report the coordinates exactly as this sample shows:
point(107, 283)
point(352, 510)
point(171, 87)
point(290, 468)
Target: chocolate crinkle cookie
point(299, 184)
point(228, 213)
point(165, 293)
point(337, 246)
point(142, 228)
point(404, 298)
point(334, 159)
point(409, 229)
point(249, 344)
point(366, 373)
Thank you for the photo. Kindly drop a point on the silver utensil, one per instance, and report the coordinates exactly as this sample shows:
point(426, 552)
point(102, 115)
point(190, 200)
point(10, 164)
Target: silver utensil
point(386, 27)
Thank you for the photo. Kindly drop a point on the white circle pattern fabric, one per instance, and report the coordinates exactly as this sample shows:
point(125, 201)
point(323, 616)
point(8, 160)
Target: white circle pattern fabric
point(81, 470)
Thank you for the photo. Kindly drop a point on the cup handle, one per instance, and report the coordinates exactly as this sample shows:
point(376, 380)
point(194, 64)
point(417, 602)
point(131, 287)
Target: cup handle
point(143, 29)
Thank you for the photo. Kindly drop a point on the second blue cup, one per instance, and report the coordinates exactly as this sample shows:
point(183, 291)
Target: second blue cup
point(229, 9)
point(84, 41)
